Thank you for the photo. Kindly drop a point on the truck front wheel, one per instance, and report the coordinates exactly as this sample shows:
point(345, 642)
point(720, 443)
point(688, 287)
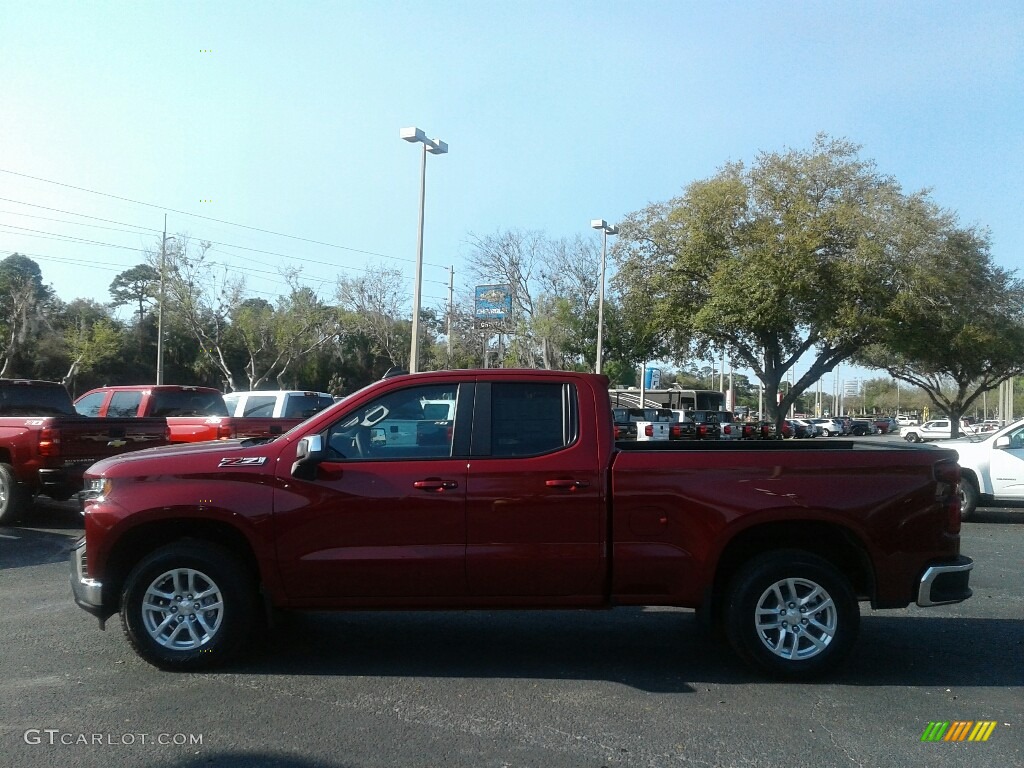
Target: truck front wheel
point(13, 496)
point(188, 605)
point(791, 614)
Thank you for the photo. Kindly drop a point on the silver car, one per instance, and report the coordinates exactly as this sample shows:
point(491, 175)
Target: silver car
point(829, 427)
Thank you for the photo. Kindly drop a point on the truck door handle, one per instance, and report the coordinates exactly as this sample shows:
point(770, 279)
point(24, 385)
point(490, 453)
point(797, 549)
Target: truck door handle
point(435, 484)
point(572, 485)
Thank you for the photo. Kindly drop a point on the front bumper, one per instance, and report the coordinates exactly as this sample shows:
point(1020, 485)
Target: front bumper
point(88, 592)
point(947, 583)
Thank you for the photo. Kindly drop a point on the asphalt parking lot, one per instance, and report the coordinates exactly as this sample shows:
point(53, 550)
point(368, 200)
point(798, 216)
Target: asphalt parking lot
point(548, 689)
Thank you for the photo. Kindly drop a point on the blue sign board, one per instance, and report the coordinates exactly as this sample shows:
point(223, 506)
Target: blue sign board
point(493, 302)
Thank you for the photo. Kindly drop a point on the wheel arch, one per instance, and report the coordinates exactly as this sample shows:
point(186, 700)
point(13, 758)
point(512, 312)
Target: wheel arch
point(832, 542)
point(136, 543)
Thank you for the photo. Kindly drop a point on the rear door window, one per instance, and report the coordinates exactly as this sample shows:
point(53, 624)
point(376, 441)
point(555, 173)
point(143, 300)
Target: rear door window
point(529, 419)
point(124, 405)
point(260, 405)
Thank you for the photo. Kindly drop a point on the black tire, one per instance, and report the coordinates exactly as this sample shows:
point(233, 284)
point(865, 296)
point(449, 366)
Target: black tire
point(968, 497)
point(808, 639)
point(14, 498)
point(913, 437)
point(215, 626)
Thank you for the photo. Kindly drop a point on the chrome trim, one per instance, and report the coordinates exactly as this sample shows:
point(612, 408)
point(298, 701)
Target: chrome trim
point(89, 590)
point(924, 592)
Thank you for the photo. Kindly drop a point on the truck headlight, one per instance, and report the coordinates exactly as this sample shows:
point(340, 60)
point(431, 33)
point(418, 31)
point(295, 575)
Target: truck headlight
point(95, 489)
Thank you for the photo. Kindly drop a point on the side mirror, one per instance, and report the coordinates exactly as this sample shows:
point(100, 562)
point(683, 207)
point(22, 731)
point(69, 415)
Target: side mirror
point(1002, 442)
point(308, 454)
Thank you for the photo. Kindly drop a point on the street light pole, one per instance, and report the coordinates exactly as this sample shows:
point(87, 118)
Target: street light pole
point(605, 231)
point(435, 147)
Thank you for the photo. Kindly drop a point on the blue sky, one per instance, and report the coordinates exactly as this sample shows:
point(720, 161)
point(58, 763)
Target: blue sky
point(286, 117)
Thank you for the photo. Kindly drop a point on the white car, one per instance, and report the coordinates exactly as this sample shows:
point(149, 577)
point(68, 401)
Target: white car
point(829, 427)
point(991, 467)
point(936, 429)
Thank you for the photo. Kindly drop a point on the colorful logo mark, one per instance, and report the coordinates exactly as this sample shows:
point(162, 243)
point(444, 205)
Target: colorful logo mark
point(959, 730)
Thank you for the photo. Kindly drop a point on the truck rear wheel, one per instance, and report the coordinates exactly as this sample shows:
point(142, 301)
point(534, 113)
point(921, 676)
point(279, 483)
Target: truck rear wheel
point(188, 605)
point(968, 497)
point(13, 497)
point(791, 614)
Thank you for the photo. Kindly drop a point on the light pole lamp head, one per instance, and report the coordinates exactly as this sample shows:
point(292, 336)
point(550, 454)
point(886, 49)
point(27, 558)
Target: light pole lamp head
point(604, 226)
point(413, 134)
point(437, 147)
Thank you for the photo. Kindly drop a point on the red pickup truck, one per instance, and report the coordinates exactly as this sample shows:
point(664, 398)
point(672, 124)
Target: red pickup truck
point(45, 446)
point(520, 498)
point(194, 414)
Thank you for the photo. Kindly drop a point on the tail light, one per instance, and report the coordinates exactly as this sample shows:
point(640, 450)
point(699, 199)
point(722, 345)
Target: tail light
point(727, 429)
point(675, 432)
point(702, 431)
point(618, 432)
point(649, 430)
point(49, 442)
point(947, 491)
point(224, 431)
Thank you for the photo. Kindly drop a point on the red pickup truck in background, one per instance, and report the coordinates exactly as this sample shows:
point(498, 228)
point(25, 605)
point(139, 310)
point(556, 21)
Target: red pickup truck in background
point(45, 446)
point(194, 414)
point(519, 497)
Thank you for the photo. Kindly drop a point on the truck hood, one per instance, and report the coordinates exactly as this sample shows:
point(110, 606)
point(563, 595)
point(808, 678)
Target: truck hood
point(177, 458)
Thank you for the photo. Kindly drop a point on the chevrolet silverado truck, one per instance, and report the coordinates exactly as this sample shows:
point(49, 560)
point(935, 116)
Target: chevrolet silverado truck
point(45, 446)
point(991, 467)
point(193, 414)
point(522, 500)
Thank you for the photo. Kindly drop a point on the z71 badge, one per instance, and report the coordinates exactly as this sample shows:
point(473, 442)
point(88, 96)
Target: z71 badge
point(249, 461)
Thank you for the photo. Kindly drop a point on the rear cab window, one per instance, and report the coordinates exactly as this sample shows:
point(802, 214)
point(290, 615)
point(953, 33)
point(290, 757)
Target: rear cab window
point(525, 418)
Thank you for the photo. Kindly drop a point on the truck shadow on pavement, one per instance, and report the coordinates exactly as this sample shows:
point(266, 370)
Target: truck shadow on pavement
point(44, 535)
point(1012, 514)
point(654, 650)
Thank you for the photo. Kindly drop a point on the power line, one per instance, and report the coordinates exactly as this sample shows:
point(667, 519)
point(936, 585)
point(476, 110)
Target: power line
point(82, 223)
point(107, 266)
point(157, 231)
point(210, 218)
point(43, 234)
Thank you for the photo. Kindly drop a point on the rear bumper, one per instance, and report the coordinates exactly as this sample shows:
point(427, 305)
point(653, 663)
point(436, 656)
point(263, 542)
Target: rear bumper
point(88, 592)
point(946, 583)
point(61, 484)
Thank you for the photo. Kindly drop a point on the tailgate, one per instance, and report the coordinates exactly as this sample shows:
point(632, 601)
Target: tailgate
point(85, 440)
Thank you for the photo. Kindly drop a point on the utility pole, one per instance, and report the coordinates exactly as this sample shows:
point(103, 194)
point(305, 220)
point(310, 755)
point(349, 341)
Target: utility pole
point(451, 310)
point(160, 310)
